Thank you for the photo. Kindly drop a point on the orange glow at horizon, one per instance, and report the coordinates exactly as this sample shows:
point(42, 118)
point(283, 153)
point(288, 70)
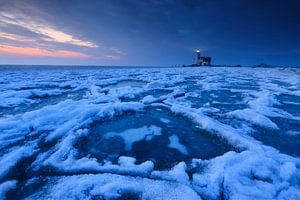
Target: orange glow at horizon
point(38, 52)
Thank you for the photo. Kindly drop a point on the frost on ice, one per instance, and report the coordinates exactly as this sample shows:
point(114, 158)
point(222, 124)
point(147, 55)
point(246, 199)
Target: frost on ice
point(167, 133)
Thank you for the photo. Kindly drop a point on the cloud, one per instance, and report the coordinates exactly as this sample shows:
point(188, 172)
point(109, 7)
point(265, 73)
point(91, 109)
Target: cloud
point(39, 52)
point(48, 33)
point(14, 37)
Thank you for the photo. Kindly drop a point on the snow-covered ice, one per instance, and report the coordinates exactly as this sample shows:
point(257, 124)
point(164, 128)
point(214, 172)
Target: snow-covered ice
point(149, 133)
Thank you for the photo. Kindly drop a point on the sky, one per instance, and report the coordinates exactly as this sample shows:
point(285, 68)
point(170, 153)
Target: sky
point(149, 32)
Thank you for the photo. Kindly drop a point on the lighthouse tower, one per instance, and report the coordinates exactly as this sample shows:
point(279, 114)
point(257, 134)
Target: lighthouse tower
point(198, 57)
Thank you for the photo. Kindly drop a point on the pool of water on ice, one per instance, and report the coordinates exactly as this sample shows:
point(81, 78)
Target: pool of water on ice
point(156, 135)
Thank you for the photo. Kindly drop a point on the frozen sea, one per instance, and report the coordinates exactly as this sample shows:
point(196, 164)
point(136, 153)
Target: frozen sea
point(149, 133)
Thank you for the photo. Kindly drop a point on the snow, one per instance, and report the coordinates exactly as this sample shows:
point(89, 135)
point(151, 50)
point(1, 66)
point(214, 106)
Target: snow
point(110, 186)
point(16, 154)
point(248, 175)
point(11, 98)
point(46, 115)
point(175, 144)
point(177, 173)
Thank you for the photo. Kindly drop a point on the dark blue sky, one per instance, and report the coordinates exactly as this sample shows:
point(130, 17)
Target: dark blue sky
point(149, 32)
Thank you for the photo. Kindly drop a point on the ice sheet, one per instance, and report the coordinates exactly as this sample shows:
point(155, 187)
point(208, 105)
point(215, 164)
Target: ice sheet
point(149, 133)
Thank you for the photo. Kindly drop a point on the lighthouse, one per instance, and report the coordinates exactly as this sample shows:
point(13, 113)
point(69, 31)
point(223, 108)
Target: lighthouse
point(201, 60)
point(198, 57)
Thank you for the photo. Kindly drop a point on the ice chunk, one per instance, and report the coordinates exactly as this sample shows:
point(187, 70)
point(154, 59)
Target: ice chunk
point(254, 117)
point(149, 99)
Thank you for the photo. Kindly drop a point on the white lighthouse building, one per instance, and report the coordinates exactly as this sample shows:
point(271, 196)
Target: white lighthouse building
point(200, 60)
